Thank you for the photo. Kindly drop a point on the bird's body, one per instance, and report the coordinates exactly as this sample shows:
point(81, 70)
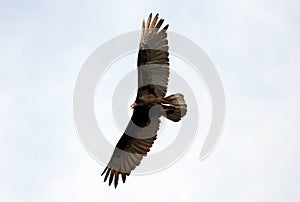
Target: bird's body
point(150, 103)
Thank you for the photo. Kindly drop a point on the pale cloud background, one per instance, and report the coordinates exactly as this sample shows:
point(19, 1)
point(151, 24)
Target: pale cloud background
point(255, 47)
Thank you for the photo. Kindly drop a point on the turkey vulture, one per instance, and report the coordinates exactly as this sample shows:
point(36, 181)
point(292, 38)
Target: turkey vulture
point(150, 103)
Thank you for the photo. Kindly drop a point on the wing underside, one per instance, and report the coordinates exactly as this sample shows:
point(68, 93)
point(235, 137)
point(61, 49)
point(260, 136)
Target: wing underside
point(134, 144)
point(153, 58)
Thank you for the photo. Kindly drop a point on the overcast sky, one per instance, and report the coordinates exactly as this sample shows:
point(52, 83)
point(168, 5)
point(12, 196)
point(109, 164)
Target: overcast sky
point(255, 47)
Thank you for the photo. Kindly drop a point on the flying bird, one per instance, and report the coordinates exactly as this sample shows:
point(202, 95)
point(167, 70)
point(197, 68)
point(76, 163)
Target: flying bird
point(150, 104)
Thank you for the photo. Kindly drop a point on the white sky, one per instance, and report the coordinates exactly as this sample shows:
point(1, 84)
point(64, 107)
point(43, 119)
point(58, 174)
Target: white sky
point(255, 47)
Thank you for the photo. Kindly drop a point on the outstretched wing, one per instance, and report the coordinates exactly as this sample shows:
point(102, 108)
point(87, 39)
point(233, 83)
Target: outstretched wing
point(133, 145)
point(153, 73)
point(153, 59)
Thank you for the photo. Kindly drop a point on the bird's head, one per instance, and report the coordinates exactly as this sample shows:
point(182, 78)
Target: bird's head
point(133, 105)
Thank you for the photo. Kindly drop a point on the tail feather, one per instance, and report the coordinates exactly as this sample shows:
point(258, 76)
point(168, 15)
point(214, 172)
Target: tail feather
point(174, 106)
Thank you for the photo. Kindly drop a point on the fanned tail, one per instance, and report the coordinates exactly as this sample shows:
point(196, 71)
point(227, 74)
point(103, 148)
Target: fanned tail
point(175, 107)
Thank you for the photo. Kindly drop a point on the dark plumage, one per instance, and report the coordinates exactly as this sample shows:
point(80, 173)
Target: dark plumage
point(150, 103)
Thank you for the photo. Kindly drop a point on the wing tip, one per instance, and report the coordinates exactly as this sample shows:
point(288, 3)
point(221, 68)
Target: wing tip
point(104, 171)
point(106, 175)
point(166, 27)
point(153, 23)
point(113, 176)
